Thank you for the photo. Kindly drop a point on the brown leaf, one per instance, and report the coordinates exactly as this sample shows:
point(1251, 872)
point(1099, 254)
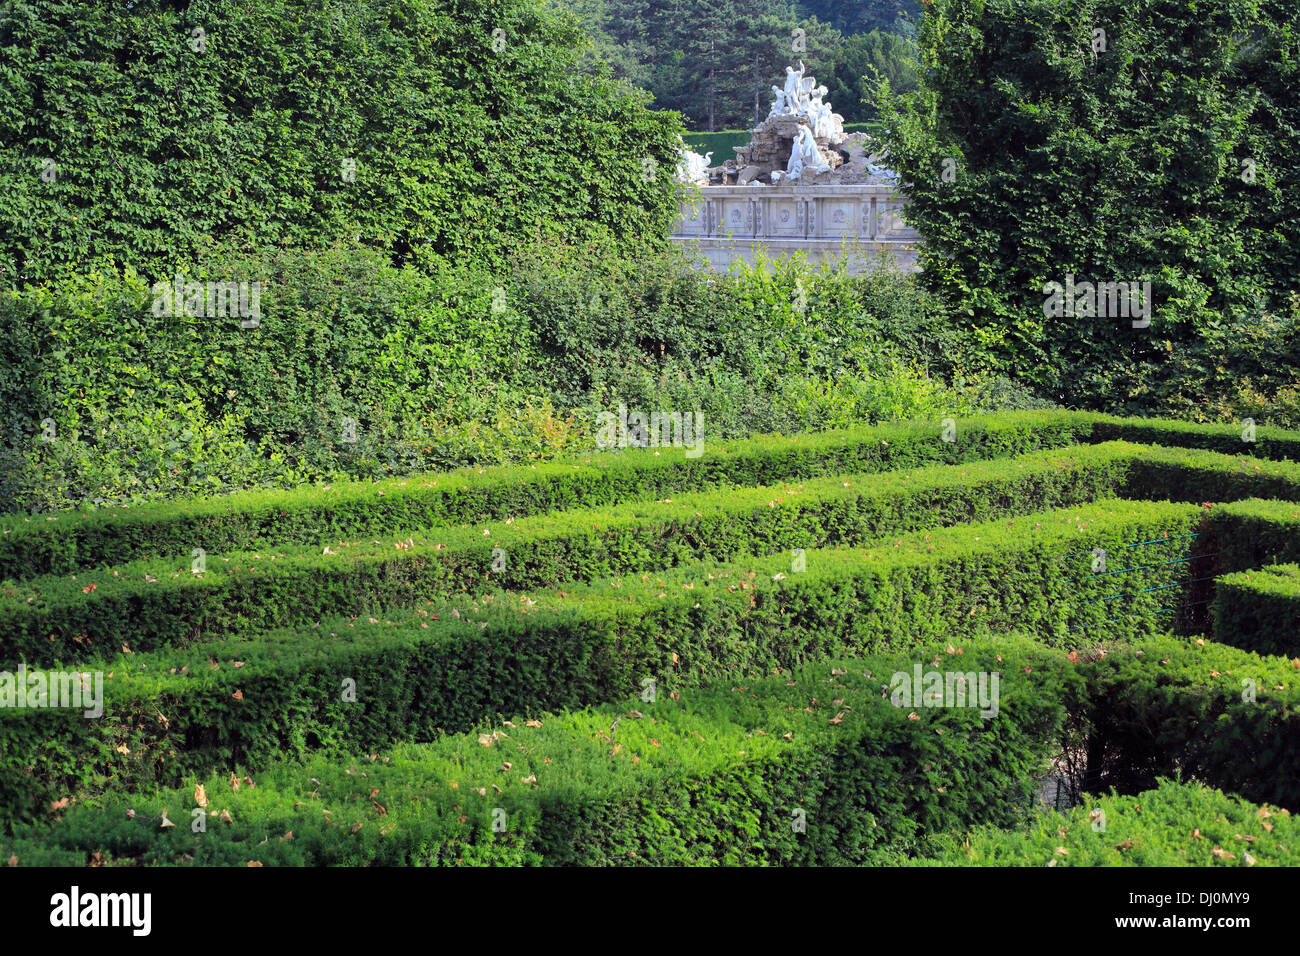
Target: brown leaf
point(166, 824)
point(200, 795)
point(224, 817)
point(254, 863)
point(238, 695)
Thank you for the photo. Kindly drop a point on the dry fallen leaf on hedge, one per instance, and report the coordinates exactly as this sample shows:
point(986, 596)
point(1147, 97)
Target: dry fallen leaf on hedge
point(200, 795)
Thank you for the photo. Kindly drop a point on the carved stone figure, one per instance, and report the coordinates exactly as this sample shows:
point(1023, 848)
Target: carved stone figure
point(693, 167)
point(804, 156)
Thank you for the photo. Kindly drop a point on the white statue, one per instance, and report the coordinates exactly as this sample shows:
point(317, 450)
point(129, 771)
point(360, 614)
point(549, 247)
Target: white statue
point(693, 167)
point(778, 104)
point(826, 123)
point(793, 85)
point(804, 156)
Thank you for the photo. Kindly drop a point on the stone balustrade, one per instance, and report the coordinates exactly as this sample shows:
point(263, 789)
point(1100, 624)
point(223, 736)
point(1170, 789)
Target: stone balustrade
point(862, 222)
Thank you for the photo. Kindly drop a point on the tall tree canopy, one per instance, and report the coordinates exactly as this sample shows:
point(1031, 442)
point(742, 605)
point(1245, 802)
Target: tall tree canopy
point(1108, 140)
point(715, 64)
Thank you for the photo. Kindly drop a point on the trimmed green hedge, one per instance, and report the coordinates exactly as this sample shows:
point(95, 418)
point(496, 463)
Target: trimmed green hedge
point(1254, 534)
point(64, 542)
point(1196, 475)
point(1274, 443)
point(1167, 706)
point(1259, 610)
point(1176, 824)
point(147, 605)
point(818, 768)
point(442, 668)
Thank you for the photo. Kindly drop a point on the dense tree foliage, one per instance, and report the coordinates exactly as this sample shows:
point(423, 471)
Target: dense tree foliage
point(1111, 141)
point(139, 133)
point(716, 64)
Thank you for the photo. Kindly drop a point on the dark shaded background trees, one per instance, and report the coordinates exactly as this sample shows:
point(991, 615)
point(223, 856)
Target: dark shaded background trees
point(715, 63)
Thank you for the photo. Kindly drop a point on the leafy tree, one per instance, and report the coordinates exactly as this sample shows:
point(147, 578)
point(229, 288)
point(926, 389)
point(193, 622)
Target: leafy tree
point(861, 16)
point(1101, 139)
point(858, 66)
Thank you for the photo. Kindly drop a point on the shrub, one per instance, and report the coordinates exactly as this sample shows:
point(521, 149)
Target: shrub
point(513, 142)
point(449, 664)
point(60, 543)
point(1260, 610)
point(1176, 824)
point(725, 774)
point(1167, 706)
point(149, 604)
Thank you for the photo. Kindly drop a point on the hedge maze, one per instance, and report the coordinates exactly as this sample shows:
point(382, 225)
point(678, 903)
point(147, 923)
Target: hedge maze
point(858, 647)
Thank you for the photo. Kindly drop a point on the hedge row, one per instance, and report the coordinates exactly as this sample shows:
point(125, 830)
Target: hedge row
point(1259, 610)
point(1275, 443)
point(442, 668)
point(1195, 475)
point(1255, 533)
point(818, 768)
point(64, 542)
point(1167, 706)
point(1176, 824)
point(146, 605)
point(67, 541)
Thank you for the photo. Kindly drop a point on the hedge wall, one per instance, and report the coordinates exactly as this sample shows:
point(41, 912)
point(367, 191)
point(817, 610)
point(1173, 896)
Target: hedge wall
point(414, 126)
point(445, 666)
point(814, 768)
point(1168, 706)
point(1259, 610)
point(1176, 824)
point(149, 604)
point(1268, 442)
point(64, 542)
point(1255, 533)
